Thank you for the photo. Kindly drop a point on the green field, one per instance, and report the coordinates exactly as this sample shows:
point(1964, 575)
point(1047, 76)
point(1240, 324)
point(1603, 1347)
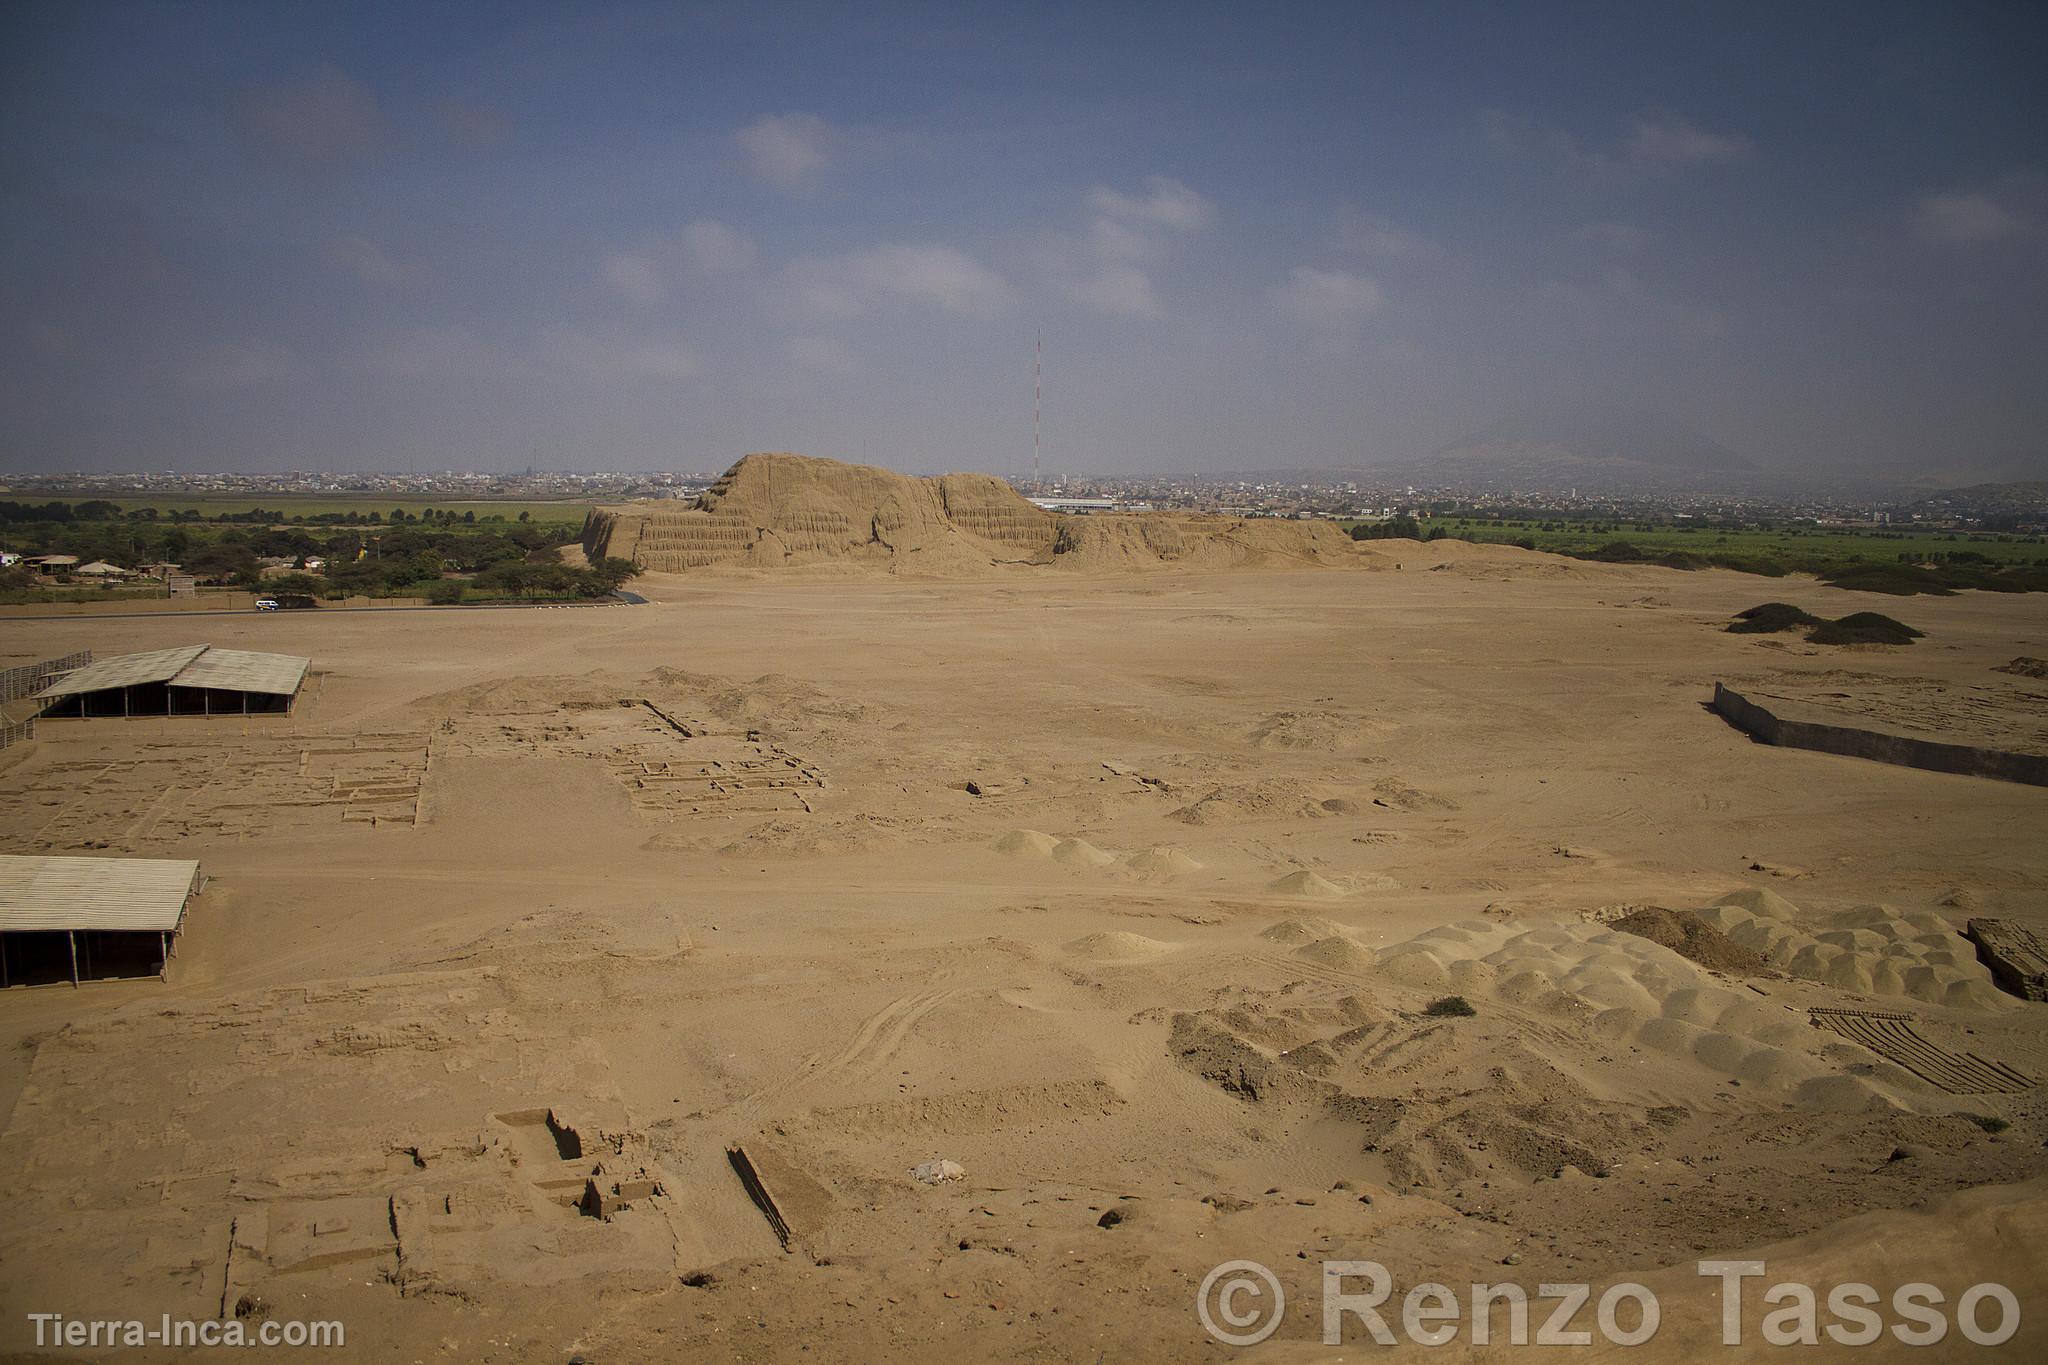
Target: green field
point(1797, 549)
point(309, 505)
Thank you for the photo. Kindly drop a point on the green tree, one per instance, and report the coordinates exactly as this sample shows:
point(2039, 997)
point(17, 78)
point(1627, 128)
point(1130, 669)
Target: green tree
point(1393, 528)
point(614, 573)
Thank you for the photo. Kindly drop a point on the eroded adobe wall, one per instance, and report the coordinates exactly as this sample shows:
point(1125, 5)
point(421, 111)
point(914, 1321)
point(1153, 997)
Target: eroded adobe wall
point(1967, 760)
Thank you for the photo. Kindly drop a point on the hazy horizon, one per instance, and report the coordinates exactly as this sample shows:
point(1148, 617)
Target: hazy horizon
point(628, 237)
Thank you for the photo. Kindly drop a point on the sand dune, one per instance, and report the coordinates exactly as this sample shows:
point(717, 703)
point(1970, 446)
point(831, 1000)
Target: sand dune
point(1118, 946)
point(1027, 843)
point(1340, 951)
point(1303, 882)
point(1081, 853)
point(1296, 933)
point(1870, 950)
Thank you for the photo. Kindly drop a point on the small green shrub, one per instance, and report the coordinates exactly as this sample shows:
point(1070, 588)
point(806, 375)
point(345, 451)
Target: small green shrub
point(1450, 1007)
point(1683, 559)
point(1771, 618)
point(1614, 552)
point(1900, 580)
point(1864, 628)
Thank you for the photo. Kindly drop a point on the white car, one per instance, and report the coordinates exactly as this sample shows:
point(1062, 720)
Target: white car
point(266, 604)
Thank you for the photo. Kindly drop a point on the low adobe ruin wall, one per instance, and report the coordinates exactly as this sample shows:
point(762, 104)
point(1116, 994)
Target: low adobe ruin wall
point(1761, 724)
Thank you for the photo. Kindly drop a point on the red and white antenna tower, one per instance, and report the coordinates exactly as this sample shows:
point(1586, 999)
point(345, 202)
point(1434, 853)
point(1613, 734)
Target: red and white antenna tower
point(1037, 393)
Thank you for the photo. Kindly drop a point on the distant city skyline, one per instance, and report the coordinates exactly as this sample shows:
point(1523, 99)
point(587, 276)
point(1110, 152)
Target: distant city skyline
point(469, 236)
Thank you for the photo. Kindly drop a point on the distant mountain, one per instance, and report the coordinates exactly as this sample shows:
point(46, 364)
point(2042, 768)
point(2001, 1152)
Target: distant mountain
point(1585, 446)
point(2027, 497)
point(1955, 472)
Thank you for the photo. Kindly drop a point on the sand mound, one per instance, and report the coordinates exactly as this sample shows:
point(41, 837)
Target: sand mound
point(1397, 795)
point(1690, 937)
point(1631, 991)
point(1149, 540)
point(1871, 950)
point(1296, 933)
point(1322, 731)
point(1760, 900)
point(1272, 799)
point(1081, 853)
point(1118, 946)
point(1305, 883)
point(1340, 951)
point(1254, 1050)
point(1027, 843)
point(1163, 860)
point(780, 510)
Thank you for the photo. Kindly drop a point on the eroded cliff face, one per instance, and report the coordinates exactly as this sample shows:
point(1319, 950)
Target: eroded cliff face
point(776, 510)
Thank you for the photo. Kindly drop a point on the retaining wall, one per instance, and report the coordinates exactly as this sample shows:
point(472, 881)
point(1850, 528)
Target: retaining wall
point(1762, 724)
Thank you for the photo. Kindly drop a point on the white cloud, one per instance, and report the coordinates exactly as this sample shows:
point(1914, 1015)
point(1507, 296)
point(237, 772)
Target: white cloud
point(1618, 236)
point(1110, 240)
point(226, 368)
point(1106, 267)
point(1521, 136)
point(822, 353)
point(1620, 297)
point(1328, 298)
point(645, 274)
point(1656, 143)
point(370, 263)
point(1668, 140)
point(941, 276)
point(717, 248)
point(1165, 203)
point(1974, 217)
point(1373, 234)
point(438, 354)
point(325, 122)
point(473, 127)
point(452, 355)
point(789, 150)
point(580, 354)
point(636, 277)
point(1118, 289)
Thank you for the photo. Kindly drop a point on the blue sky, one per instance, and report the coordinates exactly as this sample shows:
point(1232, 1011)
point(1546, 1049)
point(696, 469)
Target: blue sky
point(628, 236)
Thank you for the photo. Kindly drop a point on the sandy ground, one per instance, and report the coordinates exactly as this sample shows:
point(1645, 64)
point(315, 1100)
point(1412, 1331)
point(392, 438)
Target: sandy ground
point(521, 905)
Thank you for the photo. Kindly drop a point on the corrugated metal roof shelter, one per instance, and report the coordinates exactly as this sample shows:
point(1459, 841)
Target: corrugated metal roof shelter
point(195, 680)
point(95, 917)
point(124, 670)
point(240, 670)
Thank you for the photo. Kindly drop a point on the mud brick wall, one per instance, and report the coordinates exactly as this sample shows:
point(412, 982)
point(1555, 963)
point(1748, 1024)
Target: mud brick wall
point(1969, 761)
